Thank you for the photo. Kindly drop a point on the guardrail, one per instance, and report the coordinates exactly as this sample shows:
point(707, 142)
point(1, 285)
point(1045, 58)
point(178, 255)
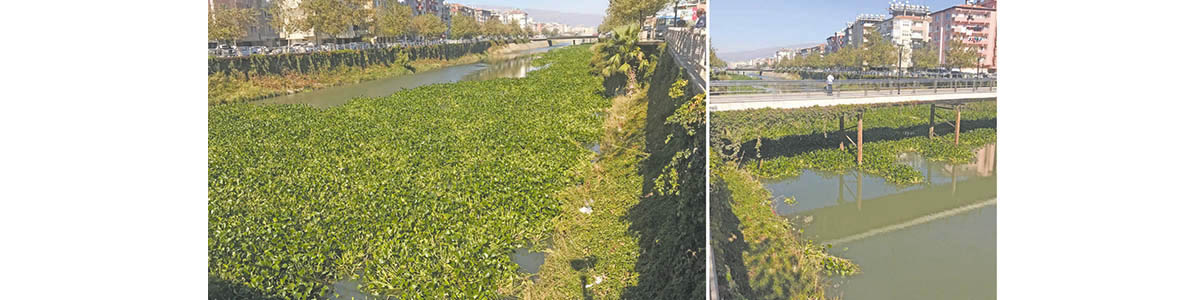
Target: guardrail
point(854, 87)
point(689, 47)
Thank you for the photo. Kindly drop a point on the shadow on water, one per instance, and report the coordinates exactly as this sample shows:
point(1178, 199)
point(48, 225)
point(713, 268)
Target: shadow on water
point(669, 219)
point(796, 144)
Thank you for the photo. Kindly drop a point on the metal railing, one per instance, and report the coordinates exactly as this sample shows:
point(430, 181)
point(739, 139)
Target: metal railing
point(690, 49)
point(855, 87)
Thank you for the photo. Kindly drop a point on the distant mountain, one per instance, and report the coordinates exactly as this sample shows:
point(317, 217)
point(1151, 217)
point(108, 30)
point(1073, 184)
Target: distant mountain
point(551, 16)
point(747, 55)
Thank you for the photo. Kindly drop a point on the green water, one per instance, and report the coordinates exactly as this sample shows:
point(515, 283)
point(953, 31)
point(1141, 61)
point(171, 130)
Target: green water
point(515, 65)
point(927, 241)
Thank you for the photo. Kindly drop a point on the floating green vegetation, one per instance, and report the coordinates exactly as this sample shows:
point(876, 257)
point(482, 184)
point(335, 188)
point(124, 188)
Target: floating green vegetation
point(759, 255)
point(879, 158)
point(422, 194)
point(773, 123)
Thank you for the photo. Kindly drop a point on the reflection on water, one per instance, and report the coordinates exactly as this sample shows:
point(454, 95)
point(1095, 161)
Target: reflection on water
point(514, 65)
point(935, 240)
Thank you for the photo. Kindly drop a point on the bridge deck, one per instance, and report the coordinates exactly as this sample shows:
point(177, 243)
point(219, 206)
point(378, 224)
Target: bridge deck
point(811, 99)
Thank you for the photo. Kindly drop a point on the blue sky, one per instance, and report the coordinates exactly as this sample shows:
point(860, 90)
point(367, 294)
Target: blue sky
point(739, 25)
point(591, 7)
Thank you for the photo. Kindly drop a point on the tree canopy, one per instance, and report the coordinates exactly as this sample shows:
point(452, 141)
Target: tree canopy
point(429, 26)
point(229, 24)
point(463, 27)
point(393, 20)
point(624, 12)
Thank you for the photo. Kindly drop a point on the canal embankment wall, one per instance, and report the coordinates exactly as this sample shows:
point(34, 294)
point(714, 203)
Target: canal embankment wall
point(304, 63)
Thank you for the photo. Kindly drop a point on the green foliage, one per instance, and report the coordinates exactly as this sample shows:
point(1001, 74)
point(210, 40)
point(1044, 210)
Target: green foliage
point(756, 253)
point(714, 61)
point(880, 158)
point(429, 26)
point(622, 12)
point(925, 57)
point(424, 193)
point(621, 56)
point(493, 27)
point(772, 123)
point(331, 17)
point(961, 55)
point(228, 24)
point(327, 60)
point(394, 20)
point(670, 217)
point(463, 27)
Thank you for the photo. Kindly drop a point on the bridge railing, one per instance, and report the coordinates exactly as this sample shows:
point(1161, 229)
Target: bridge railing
point(855, 87)
point(689, 47)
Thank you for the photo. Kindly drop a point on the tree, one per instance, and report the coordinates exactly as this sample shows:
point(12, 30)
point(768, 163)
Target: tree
point(463, 27)
point(620, 54)
point(878, 52)
point(331, 17)
point(285, 18)
point(925, 57)
point(393, 20)
point(714, 61)
point(429, 26)
point(493, 28)
point(961, 55)
point(514, 29)
point(622, 12)
point(229, 24)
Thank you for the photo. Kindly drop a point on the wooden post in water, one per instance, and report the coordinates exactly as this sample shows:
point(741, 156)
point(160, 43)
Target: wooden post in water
point(841, 130)
point(932, 114)
point(957, 122)
point(860, 141)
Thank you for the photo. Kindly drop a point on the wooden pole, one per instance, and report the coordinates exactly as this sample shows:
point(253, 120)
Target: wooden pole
point(860, 141)
point(841, 130)
point(932, 115)
point(957, 123)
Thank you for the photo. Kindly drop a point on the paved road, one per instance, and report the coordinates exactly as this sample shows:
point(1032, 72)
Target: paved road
point(810, 99)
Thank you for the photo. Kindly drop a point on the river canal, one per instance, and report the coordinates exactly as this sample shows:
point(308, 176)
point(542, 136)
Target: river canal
point(927, 241)
point(513, 65)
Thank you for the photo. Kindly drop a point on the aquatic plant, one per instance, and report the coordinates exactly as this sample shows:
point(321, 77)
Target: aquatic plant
point(422, 194)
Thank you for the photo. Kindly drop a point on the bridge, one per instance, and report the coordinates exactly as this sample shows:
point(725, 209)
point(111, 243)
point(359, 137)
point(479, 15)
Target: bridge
point(754, 94)
point(948, 94)
point(575, 39)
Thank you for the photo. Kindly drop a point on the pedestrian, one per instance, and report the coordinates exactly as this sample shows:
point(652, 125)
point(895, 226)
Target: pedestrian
point(829, 85)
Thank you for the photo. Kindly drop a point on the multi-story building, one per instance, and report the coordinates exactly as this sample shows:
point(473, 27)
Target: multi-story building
point(908, 25)
point(785, 54)
point(515, 17)
point(435, 7)
point(835, 42)
point(260, 32)
point(804, 52)
point(861, 26)
point(461, 10)
point(973, 24)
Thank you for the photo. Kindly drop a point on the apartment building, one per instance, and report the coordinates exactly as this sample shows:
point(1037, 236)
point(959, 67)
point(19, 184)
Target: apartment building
point(907, 26)
point(973, 24)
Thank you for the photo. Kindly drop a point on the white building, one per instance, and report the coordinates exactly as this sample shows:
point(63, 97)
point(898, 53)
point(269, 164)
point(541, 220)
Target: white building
point(908, 26)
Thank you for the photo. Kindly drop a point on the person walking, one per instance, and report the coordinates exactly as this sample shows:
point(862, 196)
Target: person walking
point(829, 85)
